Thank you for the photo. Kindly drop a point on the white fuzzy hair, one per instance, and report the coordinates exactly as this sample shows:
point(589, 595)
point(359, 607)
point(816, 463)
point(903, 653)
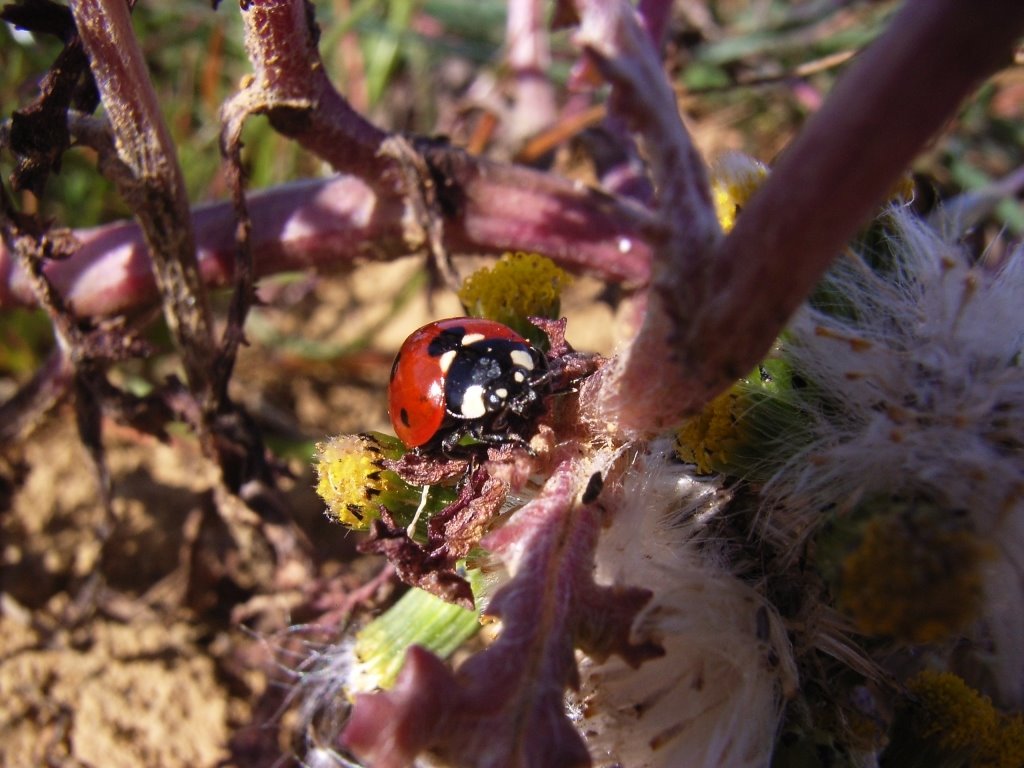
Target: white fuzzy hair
point(925, 388)
point(715, 698)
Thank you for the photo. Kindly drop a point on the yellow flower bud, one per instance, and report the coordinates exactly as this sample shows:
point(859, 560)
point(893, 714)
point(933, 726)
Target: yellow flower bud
point(914, 576)
point(519, 285)
point(354, 483)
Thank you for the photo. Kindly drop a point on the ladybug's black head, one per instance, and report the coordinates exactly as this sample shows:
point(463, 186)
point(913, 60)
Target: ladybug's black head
point(492, 377)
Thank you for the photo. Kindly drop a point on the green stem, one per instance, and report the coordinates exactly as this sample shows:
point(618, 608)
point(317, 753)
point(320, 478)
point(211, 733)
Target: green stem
point(418, 618)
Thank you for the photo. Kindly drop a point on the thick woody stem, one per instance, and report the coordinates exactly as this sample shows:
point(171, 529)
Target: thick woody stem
point(842, 166)
point(156, 191)
point(698, 339)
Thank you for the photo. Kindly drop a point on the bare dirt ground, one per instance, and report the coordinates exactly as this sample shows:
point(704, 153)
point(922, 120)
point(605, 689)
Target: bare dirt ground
point(100, 662)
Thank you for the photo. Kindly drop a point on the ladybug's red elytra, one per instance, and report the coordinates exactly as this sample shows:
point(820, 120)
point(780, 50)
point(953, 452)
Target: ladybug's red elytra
point(465, 376)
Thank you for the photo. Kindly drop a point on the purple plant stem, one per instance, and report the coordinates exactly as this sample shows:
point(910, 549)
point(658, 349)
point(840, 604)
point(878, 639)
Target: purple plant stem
point(654, 15)
point(612, 37)
point(619, 163)
point(327, 225)
point(484, 206)
point(727, 304)
point(529, 58)
point(291, 87)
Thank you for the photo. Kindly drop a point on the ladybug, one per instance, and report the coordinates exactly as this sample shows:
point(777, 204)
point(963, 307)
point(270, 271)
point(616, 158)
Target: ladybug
point(465, 376)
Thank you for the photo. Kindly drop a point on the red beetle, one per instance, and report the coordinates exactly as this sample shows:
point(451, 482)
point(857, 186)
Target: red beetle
point(465, 376)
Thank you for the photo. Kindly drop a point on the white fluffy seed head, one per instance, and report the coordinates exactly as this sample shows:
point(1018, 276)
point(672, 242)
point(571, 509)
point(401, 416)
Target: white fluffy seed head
point(925, 398)
point(715, 697)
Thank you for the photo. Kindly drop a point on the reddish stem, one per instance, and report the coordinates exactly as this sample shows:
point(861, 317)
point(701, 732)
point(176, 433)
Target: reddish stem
point(326, 225)
point(529, 58)
point(826, 185)
point(483, 207)
point(291, 87)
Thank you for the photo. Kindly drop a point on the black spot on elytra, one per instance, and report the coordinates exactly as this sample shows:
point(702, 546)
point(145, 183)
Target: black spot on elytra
point(404, 416)
point(446, 341)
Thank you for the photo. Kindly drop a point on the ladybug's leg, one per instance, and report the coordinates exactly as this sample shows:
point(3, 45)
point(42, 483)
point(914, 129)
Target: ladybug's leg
point(494, 432)
point(452, 448)
point(523, 402)
point(564, 372)
point(491, 437)
point(450, 443)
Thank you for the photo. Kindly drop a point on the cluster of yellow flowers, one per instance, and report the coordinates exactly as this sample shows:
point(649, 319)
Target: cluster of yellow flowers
point(354, 482)
point(518, 286)
point(959, 720)
point(710, 438)
point(912, 577)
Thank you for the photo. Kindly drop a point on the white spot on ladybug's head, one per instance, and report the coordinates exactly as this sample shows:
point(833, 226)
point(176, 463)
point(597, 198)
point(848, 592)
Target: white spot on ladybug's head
point(519, 376)
point(501, 392)
point(522, 359)
point(445, 361)
point(472, 338)
point(473, 402)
